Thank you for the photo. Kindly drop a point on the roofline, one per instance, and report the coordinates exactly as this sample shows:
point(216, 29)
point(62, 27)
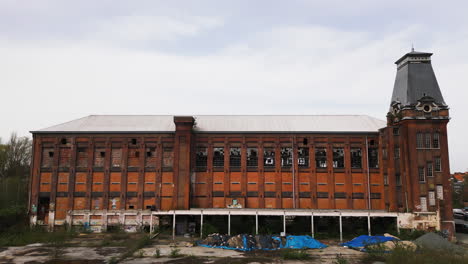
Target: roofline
point(205, 132)
point(428, 54)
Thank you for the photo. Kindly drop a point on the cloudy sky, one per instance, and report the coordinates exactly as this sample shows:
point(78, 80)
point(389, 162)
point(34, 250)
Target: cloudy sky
point(61, 60)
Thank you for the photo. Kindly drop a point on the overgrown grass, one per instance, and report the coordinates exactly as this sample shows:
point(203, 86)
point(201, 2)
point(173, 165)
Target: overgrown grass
point(175, 253)
point(21, 235)
point(292, 254)
point(410, 234)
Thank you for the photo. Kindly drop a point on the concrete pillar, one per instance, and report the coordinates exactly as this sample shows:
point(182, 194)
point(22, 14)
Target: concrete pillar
point(368, 224)
point(151, 223)
point(341, 229)
point(201, 224)
point(284, 222)
point(173, 225)
point(312, 224)
point(229, 223)
point(397, 225)
point(256, 222)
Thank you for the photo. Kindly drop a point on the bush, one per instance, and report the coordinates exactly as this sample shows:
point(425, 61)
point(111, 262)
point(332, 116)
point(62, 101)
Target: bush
point(175, 253)
point(410, 234)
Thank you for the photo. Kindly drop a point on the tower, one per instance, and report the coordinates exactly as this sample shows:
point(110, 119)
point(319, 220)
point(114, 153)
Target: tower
point(418, 164)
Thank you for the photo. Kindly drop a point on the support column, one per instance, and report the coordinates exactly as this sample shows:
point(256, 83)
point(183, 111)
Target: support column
point(341, 229)
point(256, 222)
point(229, 223)
point(173, 225)
point(284, 222)
point(368, 224)
point(151, 223)
point(312, 224)
point(201, 224)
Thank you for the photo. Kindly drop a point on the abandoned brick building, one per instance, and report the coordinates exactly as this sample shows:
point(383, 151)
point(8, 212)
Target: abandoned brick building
point(127, 169)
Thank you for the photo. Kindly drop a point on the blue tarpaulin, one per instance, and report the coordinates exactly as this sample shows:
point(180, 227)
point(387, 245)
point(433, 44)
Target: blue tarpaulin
point(362, 241)
point(302, 242)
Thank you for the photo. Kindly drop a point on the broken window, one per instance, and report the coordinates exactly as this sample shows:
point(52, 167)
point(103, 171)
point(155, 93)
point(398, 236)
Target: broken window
point(235, 157)
point(150, 160)
point(116, 157)
point(429, 169)
point(419, 141)
point(356, 158)
point(82, 158)
point(168, 157)
point(286, 157)
point(201, 158)
point(421, 174)
point(218, 157)
point(373, 158)
point(303, 157)
point(385, 179)
point(252, 157)
point(427, 141)
point(398, 178)
point(438, 166)
point(99, 155)
point(435, 141)
point(338, 158)
point(65, 157)
point(47, 157)
point(269, 157)
point(321, 157)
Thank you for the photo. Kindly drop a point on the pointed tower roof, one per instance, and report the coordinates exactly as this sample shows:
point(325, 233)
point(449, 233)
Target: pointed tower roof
point(415, 79)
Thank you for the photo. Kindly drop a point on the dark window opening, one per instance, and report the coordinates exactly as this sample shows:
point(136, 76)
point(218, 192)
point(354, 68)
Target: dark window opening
point(322, 195)
point(305, 141)
point(269, 157)
point(235, 157)
point(63, 141)
point(372, 142)
point(131, 207)
point(103, 154)
point(201, 158)
point(338, 158)
point(397, 152)
point(303, 157)
point(421, 175)
point(137, 154)
point(218, 157)
point(373, 158)
point(150, 160)
point(321, 157)
point(396, 131)
point(398, 178)
point(438, 165)
point(356, 158)
point(252, 157)
point(148, 154)
point(286, 157)
point(385, 179)
point(51, 154)
point(134, 141)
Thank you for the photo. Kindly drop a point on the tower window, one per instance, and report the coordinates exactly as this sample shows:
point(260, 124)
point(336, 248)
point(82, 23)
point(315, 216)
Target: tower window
point(338, 158)
point(396, 131)
point(356, 158)
point(435, 141)
point(397, 152)
point(419, 141)
point(398, 178)
point(321, 157)
point(429, 169)
point(427, 141)
point(437, 164)
point(421, 175)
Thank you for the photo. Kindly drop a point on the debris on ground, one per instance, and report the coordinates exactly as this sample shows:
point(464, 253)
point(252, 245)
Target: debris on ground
point(263, 242)
point(434, 241)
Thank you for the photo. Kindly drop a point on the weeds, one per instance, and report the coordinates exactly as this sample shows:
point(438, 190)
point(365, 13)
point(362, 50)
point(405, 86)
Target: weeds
point(295, 254)
point(37, 234)
point(340, 260)
point(157, 253)
point(175, 253)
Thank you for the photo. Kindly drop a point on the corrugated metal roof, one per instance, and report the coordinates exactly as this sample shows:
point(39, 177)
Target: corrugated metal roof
point(222, 123)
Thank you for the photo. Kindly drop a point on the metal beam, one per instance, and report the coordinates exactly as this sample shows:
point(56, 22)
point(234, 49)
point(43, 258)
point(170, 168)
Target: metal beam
point(173, 225)
point(256, 223)
point(201, 224)
point(229, 223)
point(312, 224)
point(368, 225)
point(341, 229)
point(284, 223)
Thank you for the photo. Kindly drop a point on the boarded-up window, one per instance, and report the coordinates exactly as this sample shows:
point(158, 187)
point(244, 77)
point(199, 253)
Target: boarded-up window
point(65, 156)
point(168, 157)
point(82, 158)
point(150, 158)
point(116, 157)
point(47, 157)
point(133, 157)
point(99, 156)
